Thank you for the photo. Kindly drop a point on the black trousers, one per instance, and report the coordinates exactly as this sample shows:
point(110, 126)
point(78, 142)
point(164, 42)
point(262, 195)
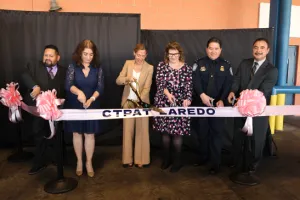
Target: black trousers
point(257, 140)
point(209, 133)
point(45, 149)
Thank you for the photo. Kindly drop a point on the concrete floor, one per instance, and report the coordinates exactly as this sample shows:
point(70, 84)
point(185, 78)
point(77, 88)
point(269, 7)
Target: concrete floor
point(280, 178)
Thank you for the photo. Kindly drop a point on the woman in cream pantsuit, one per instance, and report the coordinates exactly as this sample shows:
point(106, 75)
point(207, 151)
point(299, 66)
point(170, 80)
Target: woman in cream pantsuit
point(136, 70)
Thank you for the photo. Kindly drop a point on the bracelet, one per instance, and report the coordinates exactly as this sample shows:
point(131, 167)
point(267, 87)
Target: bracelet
point(92, 97)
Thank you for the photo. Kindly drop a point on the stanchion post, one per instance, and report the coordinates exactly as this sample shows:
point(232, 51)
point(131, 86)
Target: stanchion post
point(61, 184)
point(20, 155)
point(243, 176)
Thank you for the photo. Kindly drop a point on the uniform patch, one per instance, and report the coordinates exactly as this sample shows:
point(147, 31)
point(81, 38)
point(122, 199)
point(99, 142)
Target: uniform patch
point(222, 68)
point(230, 69)
point(203, 69)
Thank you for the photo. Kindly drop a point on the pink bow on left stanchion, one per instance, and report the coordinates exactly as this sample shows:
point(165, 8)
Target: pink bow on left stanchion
point(11, 98)
point(46, 104)
point(250, 104)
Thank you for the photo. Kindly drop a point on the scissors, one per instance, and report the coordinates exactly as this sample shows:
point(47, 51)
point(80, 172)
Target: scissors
point(139, 103)
point(212, 102)
point(234, 100)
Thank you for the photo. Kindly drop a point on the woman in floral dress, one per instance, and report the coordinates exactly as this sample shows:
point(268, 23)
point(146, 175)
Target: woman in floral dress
point(174, 89)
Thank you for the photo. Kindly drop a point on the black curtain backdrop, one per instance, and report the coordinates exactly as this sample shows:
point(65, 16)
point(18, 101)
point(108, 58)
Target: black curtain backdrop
point(237, 45)
point(23, 36)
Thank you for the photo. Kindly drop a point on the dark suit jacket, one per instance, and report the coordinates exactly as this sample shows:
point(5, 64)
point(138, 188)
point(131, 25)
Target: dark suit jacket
point(37, 74)
point(264, 79)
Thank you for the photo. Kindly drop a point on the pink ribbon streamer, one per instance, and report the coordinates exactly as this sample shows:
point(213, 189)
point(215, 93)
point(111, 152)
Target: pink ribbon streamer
point(47, 103)
point(11, 98)
point(250, 104)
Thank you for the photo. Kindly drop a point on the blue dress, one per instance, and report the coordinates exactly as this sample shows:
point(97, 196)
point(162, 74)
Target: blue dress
point(88, 85)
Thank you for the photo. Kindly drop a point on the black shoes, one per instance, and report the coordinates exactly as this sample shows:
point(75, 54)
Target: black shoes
point(176, 167)
point(176, 164)
point(165, 164)
point(36, 169)
point(214, 170)
point(200, 163)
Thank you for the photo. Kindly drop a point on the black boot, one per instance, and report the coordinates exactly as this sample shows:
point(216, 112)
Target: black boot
point(177, 164)
point(166, 160)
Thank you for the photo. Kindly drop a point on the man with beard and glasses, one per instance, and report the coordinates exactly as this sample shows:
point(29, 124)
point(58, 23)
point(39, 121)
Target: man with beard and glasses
point(37, 77)
point(254, 73)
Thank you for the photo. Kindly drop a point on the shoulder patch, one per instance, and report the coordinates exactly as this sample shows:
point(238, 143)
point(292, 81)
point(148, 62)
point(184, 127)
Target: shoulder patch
point(227, 61)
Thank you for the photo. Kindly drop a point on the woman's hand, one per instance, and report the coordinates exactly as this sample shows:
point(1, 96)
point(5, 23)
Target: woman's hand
point(88, 103)
point(186, 103)
point(171, 98)
point(81, 97)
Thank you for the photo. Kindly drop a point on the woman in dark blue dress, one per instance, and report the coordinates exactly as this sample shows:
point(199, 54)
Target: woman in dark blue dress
point(84, 85)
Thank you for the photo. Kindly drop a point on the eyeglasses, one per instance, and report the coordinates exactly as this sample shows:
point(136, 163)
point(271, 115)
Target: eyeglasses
point(173, 54)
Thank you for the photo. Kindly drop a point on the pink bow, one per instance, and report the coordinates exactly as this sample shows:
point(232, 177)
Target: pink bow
point(250, 104)
point(47, 103)
point(11, 98)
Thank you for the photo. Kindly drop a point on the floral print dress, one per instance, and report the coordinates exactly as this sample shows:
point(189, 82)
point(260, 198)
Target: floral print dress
point(179, 83)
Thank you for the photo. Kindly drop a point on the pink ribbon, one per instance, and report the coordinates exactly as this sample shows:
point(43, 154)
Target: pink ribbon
point(251, 103)
point(46, 104)
point(11, 98)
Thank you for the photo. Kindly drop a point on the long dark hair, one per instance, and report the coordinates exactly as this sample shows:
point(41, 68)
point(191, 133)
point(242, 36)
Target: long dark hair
point(80, 48)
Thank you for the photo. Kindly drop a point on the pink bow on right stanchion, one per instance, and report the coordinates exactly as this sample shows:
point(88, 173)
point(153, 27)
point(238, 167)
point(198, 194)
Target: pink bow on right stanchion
point(11, 98)
point(46, 104)
point(250, 104)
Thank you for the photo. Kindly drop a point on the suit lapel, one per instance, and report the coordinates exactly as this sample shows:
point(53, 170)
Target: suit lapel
point(130, 69)
point(259, 74)
point(143, 74)
point(44, 74)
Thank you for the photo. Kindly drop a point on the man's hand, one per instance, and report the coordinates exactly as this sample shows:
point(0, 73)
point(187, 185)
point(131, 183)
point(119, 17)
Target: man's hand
point(205, 99)
point(35, 92)
point(220, 103)
point(231, 96)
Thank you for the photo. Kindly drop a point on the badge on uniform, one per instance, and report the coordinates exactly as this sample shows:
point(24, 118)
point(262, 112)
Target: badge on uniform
point(203, 69)
point(222, 68)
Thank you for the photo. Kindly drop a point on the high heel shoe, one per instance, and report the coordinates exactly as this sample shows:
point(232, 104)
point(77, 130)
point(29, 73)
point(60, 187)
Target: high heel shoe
point(90, 173)
point(79, 172)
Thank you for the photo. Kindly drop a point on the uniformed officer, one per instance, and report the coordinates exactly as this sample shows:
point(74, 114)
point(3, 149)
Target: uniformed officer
point(212, 82)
